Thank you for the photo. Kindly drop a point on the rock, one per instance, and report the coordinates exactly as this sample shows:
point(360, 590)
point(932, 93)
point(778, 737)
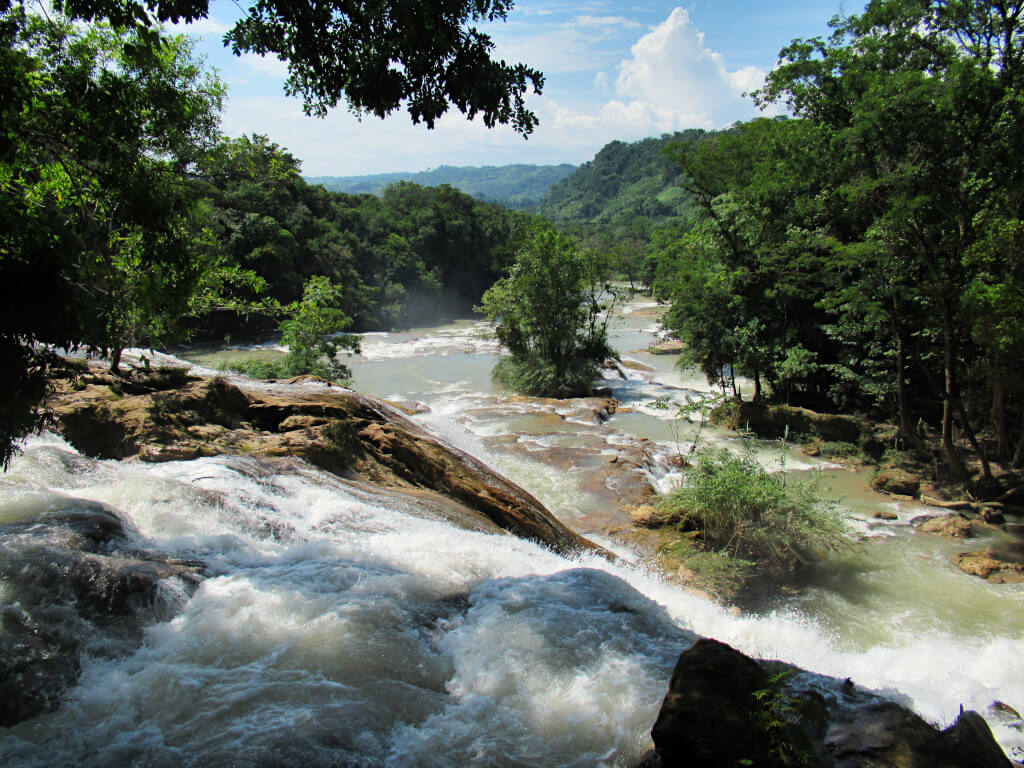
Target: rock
point(886, 515)
point(987, 566)
point(671, 347)
point(992, 515)
point(68, 583)
point(633, 365)
point(338, 430)
point(953, 526)
point(645, 516)
point(896, 481)
point(725, 709)
point(779, 420)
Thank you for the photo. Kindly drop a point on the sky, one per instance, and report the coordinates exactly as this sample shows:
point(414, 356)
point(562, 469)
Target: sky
point(613, 71)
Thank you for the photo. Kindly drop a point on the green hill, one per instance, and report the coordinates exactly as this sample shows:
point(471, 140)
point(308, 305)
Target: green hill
point(622, 183)
point(516, 186)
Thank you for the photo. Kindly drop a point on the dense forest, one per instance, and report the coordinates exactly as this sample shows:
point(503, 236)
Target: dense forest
point(624, 182)
point(411, 255)
point(865, 256)
point(125, 209)
point(517, 186)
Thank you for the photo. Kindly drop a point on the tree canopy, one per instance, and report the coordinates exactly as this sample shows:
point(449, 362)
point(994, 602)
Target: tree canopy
point(867, 251)
point(551, 313)
point(424, 55)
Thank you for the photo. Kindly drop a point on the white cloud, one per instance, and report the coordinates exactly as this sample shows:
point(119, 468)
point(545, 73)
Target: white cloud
point(606, 21)
point(672, 69)
point(601, 81)
point(266, 65)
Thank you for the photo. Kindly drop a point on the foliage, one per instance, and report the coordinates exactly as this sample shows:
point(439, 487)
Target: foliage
point(865, 255)
point(551, 313)
point(744, 511)
point(407, 257)
point(424, 56)
point(102, 240)
point(308, 332)
point(622, 182)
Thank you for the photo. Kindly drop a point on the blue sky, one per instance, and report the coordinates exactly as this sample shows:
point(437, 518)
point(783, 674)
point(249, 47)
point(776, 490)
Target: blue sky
point(613, 71)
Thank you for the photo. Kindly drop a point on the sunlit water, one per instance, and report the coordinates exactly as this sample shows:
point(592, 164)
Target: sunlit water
point(334, 628)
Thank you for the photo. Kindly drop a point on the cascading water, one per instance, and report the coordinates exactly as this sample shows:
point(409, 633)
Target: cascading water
point(335, 626)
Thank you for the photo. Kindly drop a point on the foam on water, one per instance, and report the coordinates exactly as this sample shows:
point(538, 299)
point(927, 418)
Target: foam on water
point(331, 630)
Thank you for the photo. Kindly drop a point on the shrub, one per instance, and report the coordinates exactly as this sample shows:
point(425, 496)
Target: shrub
point(307, 332)
point(746, 512)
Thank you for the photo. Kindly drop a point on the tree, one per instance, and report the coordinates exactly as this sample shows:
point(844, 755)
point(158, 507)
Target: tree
point(311, 334)
point(925, 97)
point(100, 244)
point(551, 313)
point(378, 56)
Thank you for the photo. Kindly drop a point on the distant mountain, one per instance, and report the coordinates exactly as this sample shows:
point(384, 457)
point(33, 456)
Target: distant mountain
point(516, 186)
point(623, 182)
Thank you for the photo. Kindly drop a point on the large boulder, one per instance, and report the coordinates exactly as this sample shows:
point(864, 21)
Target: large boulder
point(896, 481)
point(341, 431)
point(71, 584)
point(952, 526)
point(988, 566)
point(725, 709)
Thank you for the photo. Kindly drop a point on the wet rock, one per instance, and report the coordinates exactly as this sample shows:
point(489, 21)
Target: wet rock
point(671, 347)
point(987, 565)
point(896, 481)
point(708, 717)
point(886, 515)
point(338, 430)
point(953, 526)
point(72, 584)
point(725, 709)
point(633, 365)
point(645, 516)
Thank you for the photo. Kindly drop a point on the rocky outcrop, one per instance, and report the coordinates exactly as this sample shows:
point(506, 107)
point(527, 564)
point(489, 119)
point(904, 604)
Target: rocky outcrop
point(725, 709)
point(952, 526)
point(670, 347)
point(896, 481)
point(781, 420)
point(989, 566)
point(163, 416)
point(72, 584)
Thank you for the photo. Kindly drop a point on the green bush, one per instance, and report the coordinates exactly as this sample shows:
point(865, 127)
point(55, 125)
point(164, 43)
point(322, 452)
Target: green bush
point(308, 334)
point(533, 376)
point(746, 512)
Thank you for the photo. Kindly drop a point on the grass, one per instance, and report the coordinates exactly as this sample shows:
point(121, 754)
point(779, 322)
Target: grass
point(750, 519)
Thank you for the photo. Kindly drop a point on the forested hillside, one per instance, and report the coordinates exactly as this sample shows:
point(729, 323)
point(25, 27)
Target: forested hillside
point(517, 186)
point(412, 254)
point(624, 182)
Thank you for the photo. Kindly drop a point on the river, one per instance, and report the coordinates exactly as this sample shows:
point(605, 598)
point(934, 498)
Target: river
point(333, 629)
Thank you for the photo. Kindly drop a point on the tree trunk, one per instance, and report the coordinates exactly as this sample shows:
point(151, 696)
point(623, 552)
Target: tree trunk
point(953, 459)
point(115, 359)
point(902, 405)
point(986, 469)
point(757, 386)
point(999, 415)
point(1018, 454)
